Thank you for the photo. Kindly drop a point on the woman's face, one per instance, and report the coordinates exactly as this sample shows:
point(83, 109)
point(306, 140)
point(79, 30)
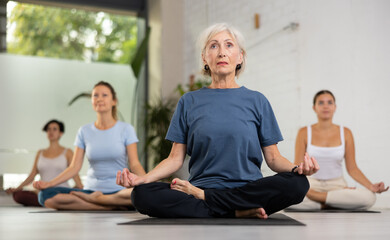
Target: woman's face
point(222, 54)
point(324, 106)
point(53, 132)
point(102, 100)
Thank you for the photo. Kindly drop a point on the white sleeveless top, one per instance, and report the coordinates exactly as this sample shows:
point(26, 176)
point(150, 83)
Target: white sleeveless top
point(329, 158)
point(50, 168)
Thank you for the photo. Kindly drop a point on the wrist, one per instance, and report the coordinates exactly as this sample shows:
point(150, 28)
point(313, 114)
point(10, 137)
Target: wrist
point(145, 179)
point(294, 168)
point(50, 184)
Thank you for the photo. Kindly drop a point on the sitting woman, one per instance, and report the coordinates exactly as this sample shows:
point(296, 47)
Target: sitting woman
point(225, 129)
point(330, 144)
point(109, 145)
point(48, 163)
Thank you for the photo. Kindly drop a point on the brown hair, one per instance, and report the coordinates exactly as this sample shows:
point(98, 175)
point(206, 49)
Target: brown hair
point(323, 92)
point(59, 123)
point(114, 109)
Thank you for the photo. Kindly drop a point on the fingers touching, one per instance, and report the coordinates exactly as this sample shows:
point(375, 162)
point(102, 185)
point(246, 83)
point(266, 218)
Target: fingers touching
point(309, 165)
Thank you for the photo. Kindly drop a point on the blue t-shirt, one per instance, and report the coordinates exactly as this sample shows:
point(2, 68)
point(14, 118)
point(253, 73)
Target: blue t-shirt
point(224, 130)
point(106, 153)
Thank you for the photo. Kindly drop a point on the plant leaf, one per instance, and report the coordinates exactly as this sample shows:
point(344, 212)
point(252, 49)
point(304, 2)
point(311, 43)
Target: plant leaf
point(81, 95)
point(140, 55)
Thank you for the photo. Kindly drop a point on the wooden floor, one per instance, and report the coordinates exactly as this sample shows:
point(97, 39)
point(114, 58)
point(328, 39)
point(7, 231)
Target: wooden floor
point(17, 222)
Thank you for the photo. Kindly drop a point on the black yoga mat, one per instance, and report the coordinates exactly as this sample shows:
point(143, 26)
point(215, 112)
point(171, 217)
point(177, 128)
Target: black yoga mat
point(83, 211)
point(275, 219)
point(331, 211)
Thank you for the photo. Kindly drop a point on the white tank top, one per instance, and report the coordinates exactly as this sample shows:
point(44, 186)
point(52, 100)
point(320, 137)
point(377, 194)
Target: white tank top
point(50, 168)
point(329, 158)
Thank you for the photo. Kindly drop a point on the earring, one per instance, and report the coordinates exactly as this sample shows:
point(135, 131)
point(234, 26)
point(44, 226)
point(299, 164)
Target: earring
point(206, 67)
point(238, 67)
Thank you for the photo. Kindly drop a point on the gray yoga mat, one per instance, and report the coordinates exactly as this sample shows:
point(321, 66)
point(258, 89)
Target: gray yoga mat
point(332, 211)
point(275, 219)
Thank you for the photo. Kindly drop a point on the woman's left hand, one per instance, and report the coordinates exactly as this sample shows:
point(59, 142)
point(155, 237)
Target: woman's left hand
point(40, 185)
point(187, 187)
point(378, 187)
point(309, 166)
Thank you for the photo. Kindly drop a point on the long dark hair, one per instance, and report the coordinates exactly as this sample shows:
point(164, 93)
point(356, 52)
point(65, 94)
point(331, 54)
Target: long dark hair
point(114, 109)
point(323, 92)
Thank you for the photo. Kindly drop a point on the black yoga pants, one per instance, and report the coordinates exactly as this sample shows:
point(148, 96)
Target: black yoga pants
point(272, 193)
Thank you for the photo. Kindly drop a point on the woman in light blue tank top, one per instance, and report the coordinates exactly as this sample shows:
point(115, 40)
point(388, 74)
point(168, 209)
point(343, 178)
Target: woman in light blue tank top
point(330, 144)
point(109, 145)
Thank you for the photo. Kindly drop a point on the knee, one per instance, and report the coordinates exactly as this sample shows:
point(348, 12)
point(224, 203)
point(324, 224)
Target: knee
point(50, 203)
point(144, 199)
point(139, 196)
point(368, 200)
point(53, 202)
point(297, 187)
point(18, 197)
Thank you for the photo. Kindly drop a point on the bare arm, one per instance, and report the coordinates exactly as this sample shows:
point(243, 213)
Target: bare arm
point(164, 169)
point(30, 178)
point(352, 168)
point(275, 160)
point(77, 180)
point(278, 163)
point(134, 164)
point(68, 173)
point(300, 145)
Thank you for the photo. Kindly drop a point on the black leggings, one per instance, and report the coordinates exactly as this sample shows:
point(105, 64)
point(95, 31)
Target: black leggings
point(272, 193)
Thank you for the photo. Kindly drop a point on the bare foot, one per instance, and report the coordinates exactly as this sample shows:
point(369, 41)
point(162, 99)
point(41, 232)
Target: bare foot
point(187, 187)
point(252, 213)
point(92, 198)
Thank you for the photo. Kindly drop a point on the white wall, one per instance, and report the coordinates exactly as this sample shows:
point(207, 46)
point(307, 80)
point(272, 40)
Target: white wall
point(272, 66)
point(340, 45)
point(344, 47)
point(34, 90)
point(166, 47)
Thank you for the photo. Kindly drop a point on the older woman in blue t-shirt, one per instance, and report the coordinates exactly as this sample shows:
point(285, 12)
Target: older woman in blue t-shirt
point(225, 129)
point(110, 145)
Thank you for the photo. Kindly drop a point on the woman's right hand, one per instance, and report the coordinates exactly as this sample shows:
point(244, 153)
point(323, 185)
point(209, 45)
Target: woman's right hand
point(128, 179)
point(379, 187)
point(40, 185)
point(11, 190)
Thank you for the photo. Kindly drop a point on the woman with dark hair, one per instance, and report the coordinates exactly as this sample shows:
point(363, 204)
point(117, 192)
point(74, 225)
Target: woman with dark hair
point(48, 163)
point(110, 145)
point(330, 144)
point(226, 129)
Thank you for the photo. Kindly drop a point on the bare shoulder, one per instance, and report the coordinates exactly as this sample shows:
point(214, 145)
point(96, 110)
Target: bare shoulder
point(39, 152)
point(302, 135)
point(302, 132)
point(348, 133)
point(69, 152)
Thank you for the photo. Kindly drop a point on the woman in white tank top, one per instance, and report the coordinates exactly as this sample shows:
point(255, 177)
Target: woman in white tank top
point(48, 164)
point(330, 144)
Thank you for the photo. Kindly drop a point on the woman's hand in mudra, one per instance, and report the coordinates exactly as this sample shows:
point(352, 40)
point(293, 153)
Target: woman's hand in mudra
point(128, 179)
point(379, 187)
point(309, 166)
point(40, 185)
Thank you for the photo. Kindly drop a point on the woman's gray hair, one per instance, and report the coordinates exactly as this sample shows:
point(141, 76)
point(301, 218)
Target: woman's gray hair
point(211, 31)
